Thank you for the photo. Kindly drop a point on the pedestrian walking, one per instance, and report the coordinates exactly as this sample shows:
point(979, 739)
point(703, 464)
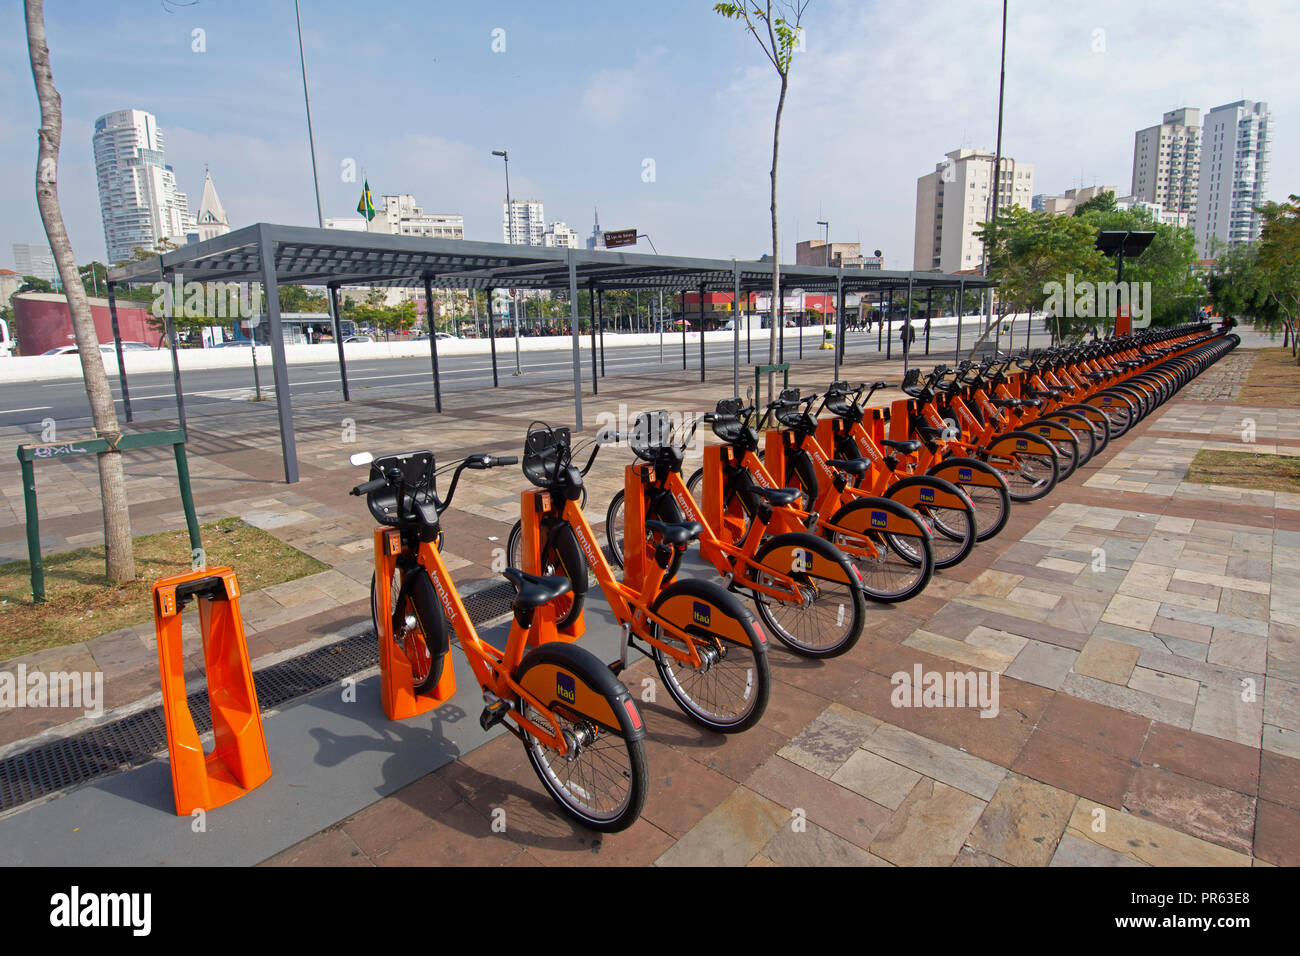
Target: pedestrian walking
point(907, 335)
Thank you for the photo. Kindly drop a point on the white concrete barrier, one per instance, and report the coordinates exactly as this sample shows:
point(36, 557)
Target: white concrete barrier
point(49, 367)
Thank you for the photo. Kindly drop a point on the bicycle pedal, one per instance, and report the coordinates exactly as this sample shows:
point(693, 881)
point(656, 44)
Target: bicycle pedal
point(493, 714)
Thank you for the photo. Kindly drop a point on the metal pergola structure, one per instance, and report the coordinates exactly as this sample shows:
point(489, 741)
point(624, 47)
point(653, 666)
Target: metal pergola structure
point(276, 255)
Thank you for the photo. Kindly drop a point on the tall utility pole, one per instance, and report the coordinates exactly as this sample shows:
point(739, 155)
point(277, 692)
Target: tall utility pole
point(505, 155)
point(823, 222)
point(306, 99)
point(997, 161)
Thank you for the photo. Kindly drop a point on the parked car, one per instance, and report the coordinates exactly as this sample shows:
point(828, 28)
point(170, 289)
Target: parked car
point(357, 338)
point(233, 343)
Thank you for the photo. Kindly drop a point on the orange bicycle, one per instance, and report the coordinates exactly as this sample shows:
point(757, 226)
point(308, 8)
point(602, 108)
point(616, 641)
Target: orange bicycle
point(709, 651)
point(581, 729)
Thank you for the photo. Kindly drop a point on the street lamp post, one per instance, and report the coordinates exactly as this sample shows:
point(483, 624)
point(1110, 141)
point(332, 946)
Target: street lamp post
point(823, 222)
point(505, 155)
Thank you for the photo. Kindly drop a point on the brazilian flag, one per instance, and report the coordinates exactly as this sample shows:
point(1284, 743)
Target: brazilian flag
point(367, 205)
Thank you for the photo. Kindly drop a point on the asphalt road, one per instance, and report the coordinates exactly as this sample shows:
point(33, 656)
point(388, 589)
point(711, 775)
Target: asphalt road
point(213, 391)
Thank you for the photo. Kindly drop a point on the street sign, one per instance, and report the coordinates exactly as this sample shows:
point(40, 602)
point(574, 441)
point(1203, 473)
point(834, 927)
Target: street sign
point(620, 237)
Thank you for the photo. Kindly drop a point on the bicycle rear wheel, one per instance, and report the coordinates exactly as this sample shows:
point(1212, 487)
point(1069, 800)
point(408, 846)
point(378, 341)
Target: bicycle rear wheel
point(986, 488)
point(602, 781)
point(730, 691)
point(831, 617)
point(889, 544)
point(1028, 463)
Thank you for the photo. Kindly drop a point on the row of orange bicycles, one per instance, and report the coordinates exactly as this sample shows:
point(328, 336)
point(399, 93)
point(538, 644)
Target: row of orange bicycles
point(807, 509)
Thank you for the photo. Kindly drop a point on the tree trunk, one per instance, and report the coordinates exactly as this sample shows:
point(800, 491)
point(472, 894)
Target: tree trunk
point(776, 247)
point(120, 563)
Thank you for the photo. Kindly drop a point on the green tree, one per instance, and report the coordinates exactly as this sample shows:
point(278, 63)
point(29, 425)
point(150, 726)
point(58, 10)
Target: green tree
point(1167, 263)
point(1028, 250)
point(94, 278)
point(34, 284)
point(1102, 202)
point(1279, 260)
point(778, 33)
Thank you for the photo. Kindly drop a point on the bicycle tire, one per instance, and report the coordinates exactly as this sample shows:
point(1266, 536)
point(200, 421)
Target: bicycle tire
point(610, 758)
point(953, 529)
point(899, 570)
point(614, 522)
point(988, 493)
point(421, 634)
point(563, 558)
point(833, 621)
point(1032, 465)
point(741, 671)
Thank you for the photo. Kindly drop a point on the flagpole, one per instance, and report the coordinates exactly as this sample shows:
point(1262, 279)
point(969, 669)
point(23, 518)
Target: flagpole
point(306, 99)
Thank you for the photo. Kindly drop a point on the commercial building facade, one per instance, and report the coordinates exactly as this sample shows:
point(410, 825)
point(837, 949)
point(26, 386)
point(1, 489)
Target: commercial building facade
point(1167, 164)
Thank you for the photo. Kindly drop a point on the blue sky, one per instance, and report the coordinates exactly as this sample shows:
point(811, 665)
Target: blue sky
point(585, 92)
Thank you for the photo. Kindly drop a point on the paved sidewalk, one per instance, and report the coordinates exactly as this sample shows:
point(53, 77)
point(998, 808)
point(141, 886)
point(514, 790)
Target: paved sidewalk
point(1121, 686)
point(1146, 636)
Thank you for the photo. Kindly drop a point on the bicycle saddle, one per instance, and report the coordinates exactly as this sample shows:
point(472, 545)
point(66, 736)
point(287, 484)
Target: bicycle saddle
point(676, 533)
point(853, 466)
point(778, 497)
point(906, 447)
point(534, 591)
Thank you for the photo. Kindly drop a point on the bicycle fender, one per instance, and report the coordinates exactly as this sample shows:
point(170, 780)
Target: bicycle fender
point(692, 603)
point(565, 676)
point(928, 490)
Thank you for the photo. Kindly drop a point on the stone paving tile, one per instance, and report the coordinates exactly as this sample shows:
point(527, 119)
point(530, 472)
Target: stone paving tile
point(1129, 700)
point(1145, 840)
point(1204, 810)
point(821, 801)
point(1023, 822)
point(731, 835)
point(829, 740)
point(815, 846)
point(1073, 850)
point(879, 780)
point(948, 765)
point(1107, 660)
point(930, 827)
point(332, 847)
point(1043, 664)
point(1277, 834)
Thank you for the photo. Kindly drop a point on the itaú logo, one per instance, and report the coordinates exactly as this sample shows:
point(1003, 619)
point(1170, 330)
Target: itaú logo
point(566, 688)
point(878, 519)
point(701, 614)
point(927, 495)
point(1022, 445)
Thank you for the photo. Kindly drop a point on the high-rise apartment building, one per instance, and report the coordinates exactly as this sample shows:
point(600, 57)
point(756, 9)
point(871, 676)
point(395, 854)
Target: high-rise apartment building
point(1167, 163)
point(138, 198)
point(523, 223)
point(1234, 175)
point(955, 198)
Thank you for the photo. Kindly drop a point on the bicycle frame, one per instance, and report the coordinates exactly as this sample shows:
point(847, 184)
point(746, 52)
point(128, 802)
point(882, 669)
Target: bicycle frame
point(492, 666)
point(631, 600)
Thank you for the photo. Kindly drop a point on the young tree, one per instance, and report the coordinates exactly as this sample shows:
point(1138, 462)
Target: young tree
point(778, 38)
point(1279, 259)
point(120, 563)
